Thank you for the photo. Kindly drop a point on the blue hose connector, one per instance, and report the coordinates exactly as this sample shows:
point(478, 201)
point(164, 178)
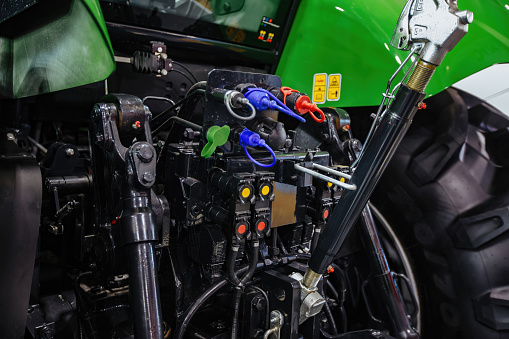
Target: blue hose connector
point(262, 99)
point(252, 139)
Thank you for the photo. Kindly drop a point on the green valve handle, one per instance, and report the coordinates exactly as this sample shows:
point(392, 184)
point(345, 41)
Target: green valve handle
point(216, 136)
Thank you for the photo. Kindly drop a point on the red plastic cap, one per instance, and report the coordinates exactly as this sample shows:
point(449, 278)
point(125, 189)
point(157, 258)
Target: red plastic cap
point(304, 105)
point(261, 225)
point(241, 229)
point(325, 214)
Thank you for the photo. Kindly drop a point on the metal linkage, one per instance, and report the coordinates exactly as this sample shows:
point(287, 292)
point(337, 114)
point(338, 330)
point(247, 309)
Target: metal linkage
point(384, 284)
point(116, 121)
point(350, 187)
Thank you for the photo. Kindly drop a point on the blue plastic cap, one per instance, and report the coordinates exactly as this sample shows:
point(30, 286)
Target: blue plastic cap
point(259, 99)
point(250, 138)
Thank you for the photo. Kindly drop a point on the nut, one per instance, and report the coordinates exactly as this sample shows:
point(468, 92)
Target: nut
point(145, 153)
point(69, 152)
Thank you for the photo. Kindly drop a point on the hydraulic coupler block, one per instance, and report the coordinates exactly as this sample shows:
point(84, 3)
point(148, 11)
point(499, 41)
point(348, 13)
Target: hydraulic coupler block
point(239, 186)
point(261, 210)
point(236, 223)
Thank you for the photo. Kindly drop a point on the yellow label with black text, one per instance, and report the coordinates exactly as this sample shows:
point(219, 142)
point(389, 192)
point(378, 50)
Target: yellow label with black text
point(334, 88)
point(319, 87)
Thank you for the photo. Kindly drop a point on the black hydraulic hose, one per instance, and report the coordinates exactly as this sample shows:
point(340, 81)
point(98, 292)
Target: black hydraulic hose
point(338, 272)
point(165, 124)
point(281, 245)
point(202, 299)
point(198, 86)
point(341, 295)
point(316, 236)
point(252, 263)
point(176, 131)
point(230, 264)
point(332, 323)
point(333, 290)
point(189, 313)
point(236, 307)
point(84, 316)
point(187, 70)
point(378, 152)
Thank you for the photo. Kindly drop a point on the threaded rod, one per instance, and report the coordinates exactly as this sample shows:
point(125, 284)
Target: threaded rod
point(421, 76)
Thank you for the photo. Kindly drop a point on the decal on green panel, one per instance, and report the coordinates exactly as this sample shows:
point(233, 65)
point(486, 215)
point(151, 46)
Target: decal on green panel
point(50, 47)
point(351, 38)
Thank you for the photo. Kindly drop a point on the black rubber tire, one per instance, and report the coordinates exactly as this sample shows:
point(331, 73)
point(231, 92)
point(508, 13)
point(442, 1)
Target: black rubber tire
point(446, 194)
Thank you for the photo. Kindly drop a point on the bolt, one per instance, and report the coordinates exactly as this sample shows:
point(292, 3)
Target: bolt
point(10, 136)
point(69, 152)
point(164, 72)
point(466, 17)
point(145, 153)
point(164, 56)
point(259, 303)
point(148, 177)
point(53, 229)
point(159, 49)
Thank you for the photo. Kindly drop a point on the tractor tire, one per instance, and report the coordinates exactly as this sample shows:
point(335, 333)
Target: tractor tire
point(446, 196)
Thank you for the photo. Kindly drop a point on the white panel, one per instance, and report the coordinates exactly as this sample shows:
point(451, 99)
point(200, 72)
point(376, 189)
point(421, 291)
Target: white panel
point(487, 82)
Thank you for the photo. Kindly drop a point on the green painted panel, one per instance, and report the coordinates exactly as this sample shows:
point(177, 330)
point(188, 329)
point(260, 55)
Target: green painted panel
point(42, 53)
point(352, 38)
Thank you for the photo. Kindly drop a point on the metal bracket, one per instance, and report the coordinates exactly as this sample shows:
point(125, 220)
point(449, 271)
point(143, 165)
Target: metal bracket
point(276, 321)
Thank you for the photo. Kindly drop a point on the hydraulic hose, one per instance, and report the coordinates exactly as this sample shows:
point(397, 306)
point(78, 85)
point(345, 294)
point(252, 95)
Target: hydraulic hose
point(252, 263)
point(328, 313)
point(202, 299)
point(177, 130)
point(235, 320)
point(230, 263)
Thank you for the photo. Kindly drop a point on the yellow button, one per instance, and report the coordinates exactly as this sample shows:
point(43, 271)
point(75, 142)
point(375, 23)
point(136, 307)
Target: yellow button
point(265, 190)
point(329, 184)
point(342, 179)
point(246, 192)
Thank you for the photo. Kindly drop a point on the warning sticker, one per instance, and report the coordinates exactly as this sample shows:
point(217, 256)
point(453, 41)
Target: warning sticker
point(319, 87)
point(334, 87)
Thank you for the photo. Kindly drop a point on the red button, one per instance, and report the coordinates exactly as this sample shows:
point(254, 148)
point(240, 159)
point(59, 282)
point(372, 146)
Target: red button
point(325, 214)
point(261, 225)
point(241, 229)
